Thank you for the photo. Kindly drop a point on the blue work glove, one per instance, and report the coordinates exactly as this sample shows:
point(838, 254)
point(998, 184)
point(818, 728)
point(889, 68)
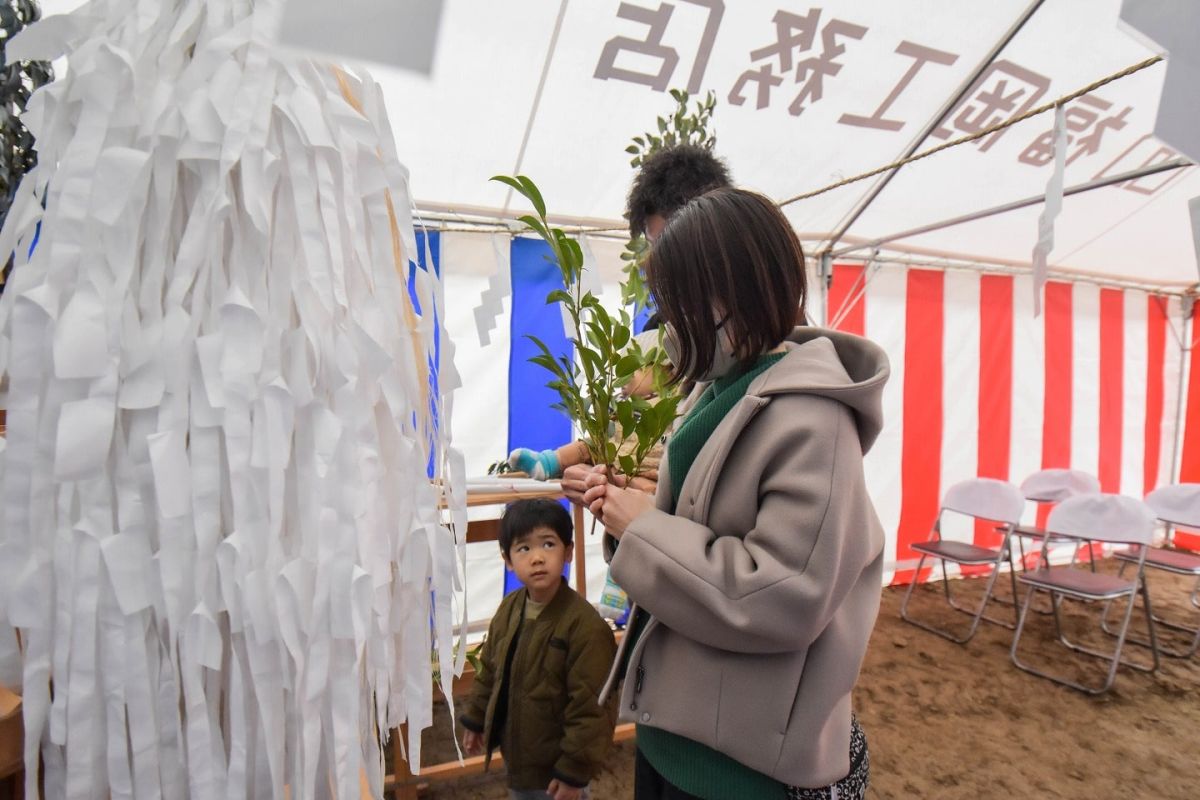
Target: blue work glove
point(539, 466)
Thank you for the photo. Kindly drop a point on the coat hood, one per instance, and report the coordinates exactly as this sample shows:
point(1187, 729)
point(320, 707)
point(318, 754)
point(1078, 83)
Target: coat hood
point(833, 364)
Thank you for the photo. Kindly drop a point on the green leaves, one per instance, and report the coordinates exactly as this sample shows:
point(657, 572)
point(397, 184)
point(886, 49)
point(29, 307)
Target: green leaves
point(682, 126)
point(628, 365)
point(587, 387)
point(527, 189)
point(619, 431)
point(535, 197)
point(628, 464)
point(634, 291)
point(536, 224)
point(621, 336)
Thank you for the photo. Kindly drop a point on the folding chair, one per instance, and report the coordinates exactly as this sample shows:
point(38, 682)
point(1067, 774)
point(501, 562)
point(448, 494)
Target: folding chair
point(981, 498)
point(1052, 486)
point(1173, 505)
point(1085, 519)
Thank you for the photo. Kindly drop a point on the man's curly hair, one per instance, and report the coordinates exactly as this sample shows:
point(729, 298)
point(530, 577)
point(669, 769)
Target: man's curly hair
point(670, 178)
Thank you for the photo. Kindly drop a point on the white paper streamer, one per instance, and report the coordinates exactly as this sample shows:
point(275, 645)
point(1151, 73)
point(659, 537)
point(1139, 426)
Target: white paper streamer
point(218, 535)
point(1050, 209)
point(499, 288)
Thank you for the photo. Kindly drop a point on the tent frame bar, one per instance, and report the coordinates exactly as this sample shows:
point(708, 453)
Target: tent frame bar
point(1185, 372)
point(936, 120)
point(1016, 204)
point(537, 98)
point(984, 268)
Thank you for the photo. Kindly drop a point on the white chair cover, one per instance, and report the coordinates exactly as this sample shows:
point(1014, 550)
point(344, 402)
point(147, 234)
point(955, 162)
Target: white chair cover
point(1178, 504)
point(1056, 485)
point(986, 498)
point(1103, 517)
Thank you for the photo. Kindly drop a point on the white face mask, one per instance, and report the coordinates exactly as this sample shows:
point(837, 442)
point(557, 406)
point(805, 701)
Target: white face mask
point(723, 358)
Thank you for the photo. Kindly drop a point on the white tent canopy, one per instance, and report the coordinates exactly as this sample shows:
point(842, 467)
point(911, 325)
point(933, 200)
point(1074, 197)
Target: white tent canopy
point(514, 89)
point(555, 91)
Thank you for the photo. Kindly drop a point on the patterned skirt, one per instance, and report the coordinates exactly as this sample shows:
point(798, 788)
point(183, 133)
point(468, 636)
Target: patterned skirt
point(851, 787)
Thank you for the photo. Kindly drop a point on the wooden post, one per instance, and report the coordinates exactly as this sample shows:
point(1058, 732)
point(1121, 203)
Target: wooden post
point(12, 746)
point(580, 557)
point(405, 788)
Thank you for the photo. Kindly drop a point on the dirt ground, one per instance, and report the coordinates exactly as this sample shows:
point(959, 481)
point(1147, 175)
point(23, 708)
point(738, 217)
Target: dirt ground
point(951, 721)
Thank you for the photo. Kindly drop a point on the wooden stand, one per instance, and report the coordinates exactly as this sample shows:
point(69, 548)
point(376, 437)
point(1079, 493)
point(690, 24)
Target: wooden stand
point(12, 747)
point(12, 732)
point(404, 784)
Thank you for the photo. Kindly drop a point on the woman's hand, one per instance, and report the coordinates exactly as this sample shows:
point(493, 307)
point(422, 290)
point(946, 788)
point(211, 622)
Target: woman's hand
point(562, 791)
point(473, 743)
point(614, 504)
point(574, 481)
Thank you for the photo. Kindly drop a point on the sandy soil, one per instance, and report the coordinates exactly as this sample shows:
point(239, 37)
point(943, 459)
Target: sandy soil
point(951, 721)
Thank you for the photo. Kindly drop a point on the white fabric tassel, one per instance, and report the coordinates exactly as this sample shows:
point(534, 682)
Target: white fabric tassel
point(1050, 209)
point(218, 536)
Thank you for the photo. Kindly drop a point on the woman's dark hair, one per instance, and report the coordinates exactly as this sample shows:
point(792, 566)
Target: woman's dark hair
point(729, 252)
point(522, 517)
point(670, 178)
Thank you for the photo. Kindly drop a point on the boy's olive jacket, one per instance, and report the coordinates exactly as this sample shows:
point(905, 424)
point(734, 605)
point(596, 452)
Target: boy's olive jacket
point(554, 726)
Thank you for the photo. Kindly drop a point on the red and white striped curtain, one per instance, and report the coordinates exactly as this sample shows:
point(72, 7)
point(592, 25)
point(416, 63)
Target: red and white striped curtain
point(980, 387)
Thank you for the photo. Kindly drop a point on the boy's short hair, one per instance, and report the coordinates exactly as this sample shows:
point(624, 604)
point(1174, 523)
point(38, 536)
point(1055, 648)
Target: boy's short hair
point(523, 516)
point(670, 178)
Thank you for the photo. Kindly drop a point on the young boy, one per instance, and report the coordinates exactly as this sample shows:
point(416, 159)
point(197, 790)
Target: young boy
point(545, 659)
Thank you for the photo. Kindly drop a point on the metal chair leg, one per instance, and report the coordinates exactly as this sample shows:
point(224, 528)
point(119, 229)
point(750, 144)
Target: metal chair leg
point(1108, 603)
point(1170, 652)
point(987, 598)
point(1012, 577)
point(976, 615)
point(908, 594)
point(1114, 658)
point(1122, 635)
point(1058, 629)
point(1154, 649)
point(1024, 567)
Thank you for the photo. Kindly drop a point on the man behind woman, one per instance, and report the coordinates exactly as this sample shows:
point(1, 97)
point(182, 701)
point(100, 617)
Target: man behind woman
point(757, 565)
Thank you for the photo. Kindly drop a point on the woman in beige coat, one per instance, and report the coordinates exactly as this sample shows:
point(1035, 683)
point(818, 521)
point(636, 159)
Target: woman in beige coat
point(757, 566)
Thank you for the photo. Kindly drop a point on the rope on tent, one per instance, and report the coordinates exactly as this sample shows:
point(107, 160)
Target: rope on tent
point(1163, 304)
point(857, 290)
point(1130, 70)
point(1033, 112)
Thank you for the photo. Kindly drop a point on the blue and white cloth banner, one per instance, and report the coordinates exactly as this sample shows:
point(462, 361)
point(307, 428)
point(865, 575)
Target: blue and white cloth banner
point(503, 402)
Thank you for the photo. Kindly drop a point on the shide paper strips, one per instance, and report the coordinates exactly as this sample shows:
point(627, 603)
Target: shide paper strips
point(219, 538)
point(1050, 210)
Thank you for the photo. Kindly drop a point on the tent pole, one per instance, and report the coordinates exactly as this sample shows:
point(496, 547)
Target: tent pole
point(825, 276)
point(537, 97)
point(936, 120)
point(1185, 350)
point(1028, 201)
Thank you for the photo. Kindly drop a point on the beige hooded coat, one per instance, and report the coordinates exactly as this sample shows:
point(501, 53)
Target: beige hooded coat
point(764, 584)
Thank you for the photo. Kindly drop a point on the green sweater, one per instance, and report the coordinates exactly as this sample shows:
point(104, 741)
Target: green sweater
point(688, 765)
